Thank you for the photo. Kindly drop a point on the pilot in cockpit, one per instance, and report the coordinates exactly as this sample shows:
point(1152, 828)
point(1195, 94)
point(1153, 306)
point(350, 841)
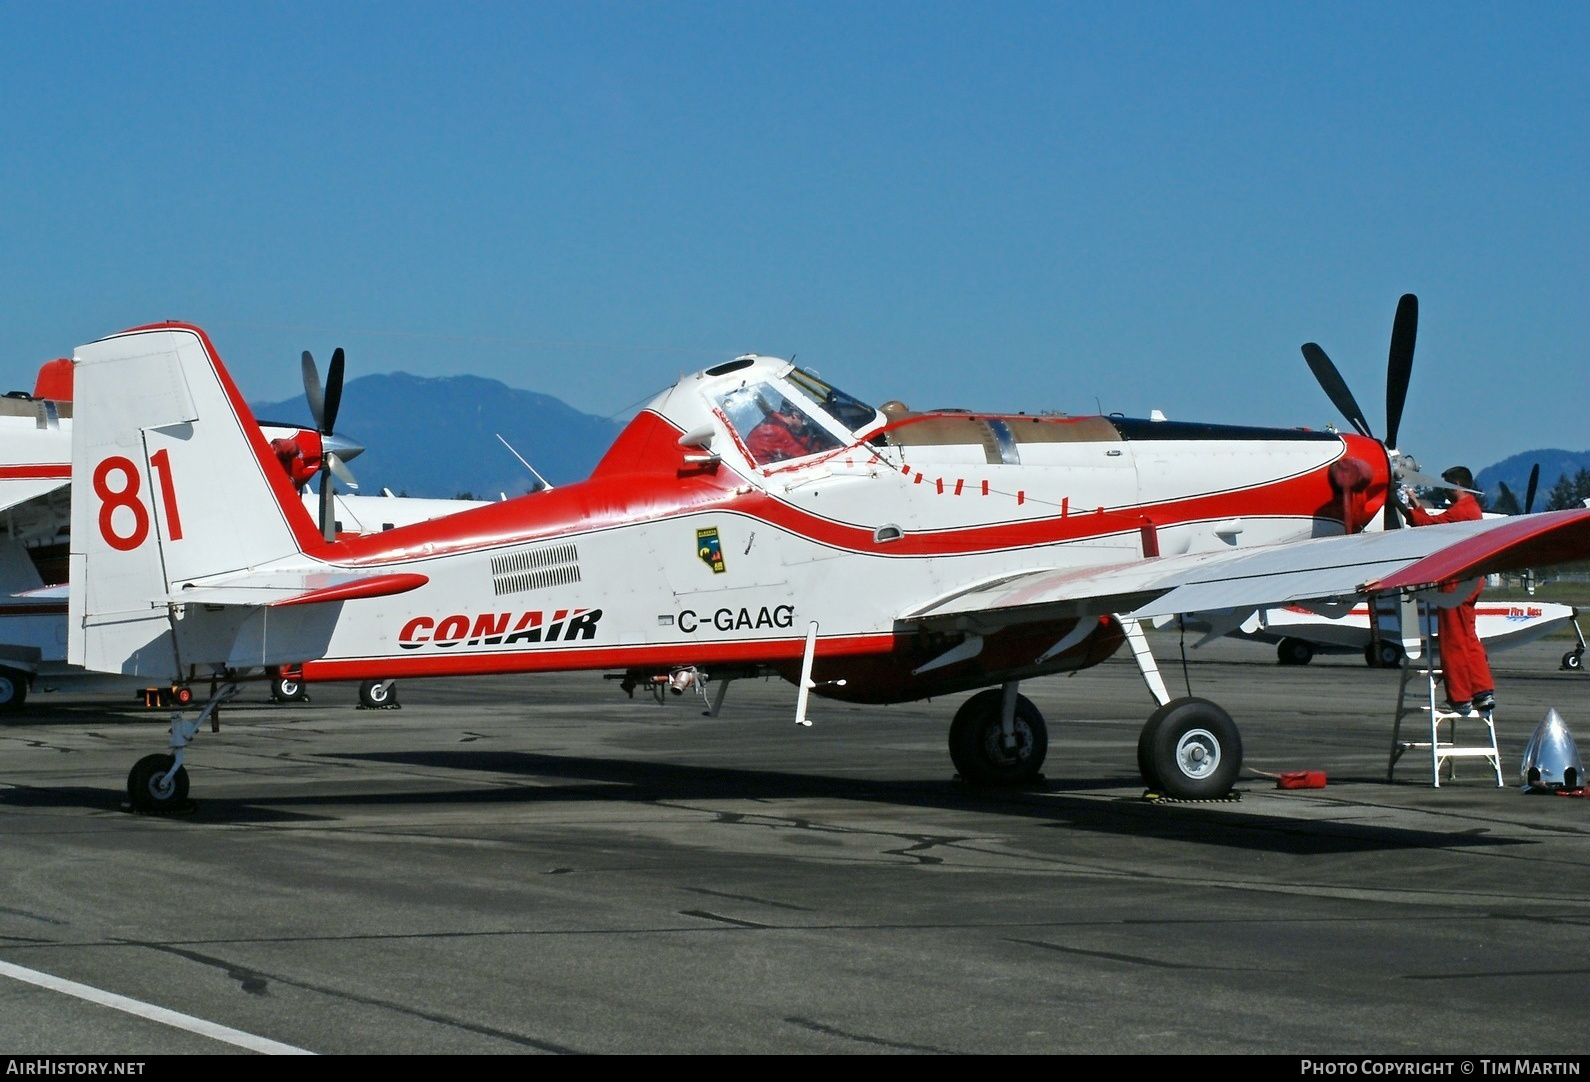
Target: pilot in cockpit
point(782, 433)
point(773, 427)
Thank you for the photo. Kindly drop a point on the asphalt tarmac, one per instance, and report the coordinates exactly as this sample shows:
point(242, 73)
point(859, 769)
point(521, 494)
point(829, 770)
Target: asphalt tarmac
point(541, 865)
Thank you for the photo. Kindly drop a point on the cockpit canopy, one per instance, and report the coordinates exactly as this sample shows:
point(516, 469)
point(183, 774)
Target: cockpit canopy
point(792, 415)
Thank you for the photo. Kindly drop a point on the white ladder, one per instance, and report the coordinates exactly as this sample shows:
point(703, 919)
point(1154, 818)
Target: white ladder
point(1443, 753)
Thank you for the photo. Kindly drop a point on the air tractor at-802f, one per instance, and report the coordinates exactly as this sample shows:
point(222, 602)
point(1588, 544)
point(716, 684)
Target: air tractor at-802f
point(751, 519)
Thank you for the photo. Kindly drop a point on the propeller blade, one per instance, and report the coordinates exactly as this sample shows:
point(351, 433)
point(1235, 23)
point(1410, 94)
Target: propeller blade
point(317, 401)
point(339, 471)
point(1507, 493)
point(1529, 493)
point(1335, 387)
point(1399, 365)
point(333, 391)
point(1413, 477)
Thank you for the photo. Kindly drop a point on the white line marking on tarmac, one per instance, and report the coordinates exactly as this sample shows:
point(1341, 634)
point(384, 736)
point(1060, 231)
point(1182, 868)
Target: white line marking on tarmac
point(151, 1012)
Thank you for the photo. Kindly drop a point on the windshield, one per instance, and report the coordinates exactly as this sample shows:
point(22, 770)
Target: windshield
point(772, 427)
point(852, 413)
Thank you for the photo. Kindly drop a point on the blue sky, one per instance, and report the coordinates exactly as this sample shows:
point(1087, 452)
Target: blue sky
point(1000, 206)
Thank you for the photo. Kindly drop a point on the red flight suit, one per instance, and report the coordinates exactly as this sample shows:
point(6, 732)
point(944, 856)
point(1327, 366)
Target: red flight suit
point(1463, 663)
point(772, 441)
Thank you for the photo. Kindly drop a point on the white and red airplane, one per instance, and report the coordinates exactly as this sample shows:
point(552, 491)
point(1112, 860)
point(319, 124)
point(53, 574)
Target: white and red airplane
point(751, 519)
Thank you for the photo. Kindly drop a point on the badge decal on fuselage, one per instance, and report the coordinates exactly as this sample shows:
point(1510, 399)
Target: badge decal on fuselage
point(710, 549)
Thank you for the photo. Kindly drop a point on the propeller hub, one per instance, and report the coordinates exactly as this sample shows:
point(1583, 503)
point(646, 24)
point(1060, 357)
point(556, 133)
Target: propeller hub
point(342, 447)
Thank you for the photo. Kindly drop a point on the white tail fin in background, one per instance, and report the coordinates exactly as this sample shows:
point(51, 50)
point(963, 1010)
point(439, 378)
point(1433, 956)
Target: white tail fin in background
point(172, 482)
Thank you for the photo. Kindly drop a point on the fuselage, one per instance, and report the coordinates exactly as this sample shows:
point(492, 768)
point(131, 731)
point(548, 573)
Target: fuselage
point(699, 542)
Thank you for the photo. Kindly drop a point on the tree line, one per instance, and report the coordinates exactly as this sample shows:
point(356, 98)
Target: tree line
point(1567, 492)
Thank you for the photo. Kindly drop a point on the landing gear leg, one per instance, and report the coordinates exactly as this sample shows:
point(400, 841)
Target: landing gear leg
point(158, 784)
point(1189, 749)
point(1573, 660)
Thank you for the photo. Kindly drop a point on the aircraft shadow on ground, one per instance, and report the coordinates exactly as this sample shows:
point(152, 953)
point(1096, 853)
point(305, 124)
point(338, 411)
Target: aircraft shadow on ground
point(574, 779)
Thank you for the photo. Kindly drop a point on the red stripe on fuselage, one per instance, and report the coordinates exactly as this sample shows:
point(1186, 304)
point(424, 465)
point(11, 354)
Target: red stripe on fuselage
point(705, 654)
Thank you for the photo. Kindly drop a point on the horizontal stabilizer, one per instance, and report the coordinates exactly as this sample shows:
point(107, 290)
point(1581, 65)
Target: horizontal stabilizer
point(283, 589)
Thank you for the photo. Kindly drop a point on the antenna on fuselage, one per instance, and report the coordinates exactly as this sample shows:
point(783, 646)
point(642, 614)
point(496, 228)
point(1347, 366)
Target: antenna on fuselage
point(546, 486)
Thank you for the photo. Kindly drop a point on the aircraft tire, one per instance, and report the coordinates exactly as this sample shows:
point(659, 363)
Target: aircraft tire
point(1383, 654)
point(1294, 652)
point(146, 794)
point(289, 689)
point(1192, 749)
point(376, 694)
point(977, 745)
point(1145, 756)
point(13, 689)
point(1573, 660)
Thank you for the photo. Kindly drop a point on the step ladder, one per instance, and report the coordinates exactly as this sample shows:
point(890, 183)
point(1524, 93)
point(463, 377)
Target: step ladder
point(1428, 698)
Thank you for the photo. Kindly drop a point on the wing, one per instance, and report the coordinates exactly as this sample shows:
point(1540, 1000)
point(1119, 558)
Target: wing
point(1327, 570)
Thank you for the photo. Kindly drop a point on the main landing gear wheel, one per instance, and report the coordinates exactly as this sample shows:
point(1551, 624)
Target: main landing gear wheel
point(289, 689)
point(1383, 654)
point(977, 741)
point(1294, 652)
point(1190, 749)
point(13, 690)
point(378, 694)
point(148, 794)
point(1573, 660)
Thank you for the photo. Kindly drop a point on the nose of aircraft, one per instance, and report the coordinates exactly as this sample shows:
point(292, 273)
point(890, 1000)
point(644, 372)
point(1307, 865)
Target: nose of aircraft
point(1361, 479)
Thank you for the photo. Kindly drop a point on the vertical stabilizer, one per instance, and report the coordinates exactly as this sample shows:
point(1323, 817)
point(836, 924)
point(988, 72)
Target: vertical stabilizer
point(171, 482)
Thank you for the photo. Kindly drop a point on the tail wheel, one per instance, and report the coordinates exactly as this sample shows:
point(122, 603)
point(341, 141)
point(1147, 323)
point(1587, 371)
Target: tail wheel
point(150, 792)
point(378, 693)
point(1190, 749)
point(977, 740)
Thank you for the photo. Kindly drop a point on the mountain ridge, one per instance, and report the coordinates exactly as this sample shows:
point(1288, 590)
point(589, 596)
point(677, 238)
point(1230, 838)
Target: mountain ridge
point(436, 436)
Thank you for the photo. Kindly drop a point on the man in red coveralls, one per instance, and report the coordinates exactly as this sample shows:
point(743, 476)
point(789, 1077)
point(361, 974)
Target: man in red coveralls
point(1463, 664)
